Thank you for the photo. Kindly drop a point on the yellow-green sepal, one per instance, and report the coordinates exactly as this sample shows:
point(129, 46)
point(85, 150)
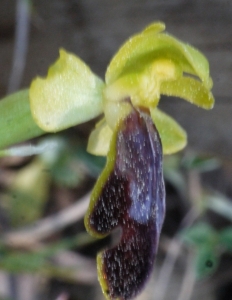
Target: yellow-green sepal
point(189, 89)
point(173, 136)
point(133, 53)
point(152, 48)
point(99, 139)
point(70, 94)
point(150, 45)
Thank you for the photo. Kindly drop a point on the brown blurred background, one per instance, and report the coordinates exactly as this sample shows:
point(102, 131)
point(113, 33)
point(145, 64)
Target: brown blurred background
point(94, 30)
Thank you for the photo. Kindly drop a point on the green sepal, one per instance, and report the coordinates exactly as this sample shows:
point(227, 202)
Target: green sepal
point(166, 66)
point(173, 136)
point(189, 89)
point(16, 122)
point(149, 45)
point(70, 94)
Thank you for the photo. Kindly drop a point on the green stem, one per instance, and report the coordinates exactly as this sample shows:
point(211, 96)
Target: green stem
point(16, 122)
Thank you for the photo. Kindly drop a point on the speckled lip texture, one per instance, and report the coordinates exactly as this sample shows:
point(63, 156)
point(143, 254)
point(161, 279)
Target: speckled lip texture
point(133, 198)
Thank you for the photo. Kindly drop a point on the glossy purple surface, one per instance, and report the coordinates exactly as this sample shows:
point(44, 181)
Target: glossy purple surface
point(133, 198)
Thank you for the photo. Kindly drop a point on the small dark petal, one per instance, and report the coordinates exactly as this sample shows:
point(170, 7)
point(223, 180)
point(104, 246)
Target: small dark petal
point(133, 197)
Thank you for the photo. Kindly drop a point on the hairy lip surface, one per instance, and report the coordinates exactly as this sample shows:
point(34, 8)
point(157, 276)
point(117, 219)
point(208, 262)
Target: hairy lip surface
point(133, 197)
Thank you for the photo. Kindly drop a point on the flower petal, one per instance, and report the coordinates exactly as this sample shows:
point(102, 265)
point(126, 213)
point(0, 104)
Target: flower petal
point(159, 59)
point(189, 89)
point(172, 135)
point(135, 50)
point(143, 88)
point(99, 139)
point(129, 194)
point(149, 45)
point(71, 94)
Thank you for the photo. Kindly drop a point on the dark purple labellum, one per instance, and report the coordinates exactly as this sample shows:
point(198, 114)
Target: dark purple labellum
point(132, 197)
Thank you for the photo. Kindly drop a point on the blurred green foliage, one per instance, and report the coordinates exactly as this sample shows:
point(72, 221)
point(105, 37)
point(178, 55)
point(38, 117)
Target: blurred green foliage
point(209, 244)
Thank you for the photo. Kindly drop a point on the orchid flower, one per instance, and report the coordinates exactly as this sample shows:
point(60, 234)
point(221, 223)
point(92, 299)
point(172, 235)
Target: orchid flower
point(133, 133)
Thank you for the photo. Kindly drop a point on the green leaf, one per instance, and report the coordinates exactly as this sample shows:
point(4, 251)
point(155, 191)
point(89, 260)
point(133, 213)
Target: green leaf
point(225, 238)
point(16, 262)
point(199, 234)
point(16, 122)
point(40, 260)
point(64, 166)
point(71, 94)
point(201, 164)
point(172, 135)
point(205, 240)
point(206, 261)
point(28, 193)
